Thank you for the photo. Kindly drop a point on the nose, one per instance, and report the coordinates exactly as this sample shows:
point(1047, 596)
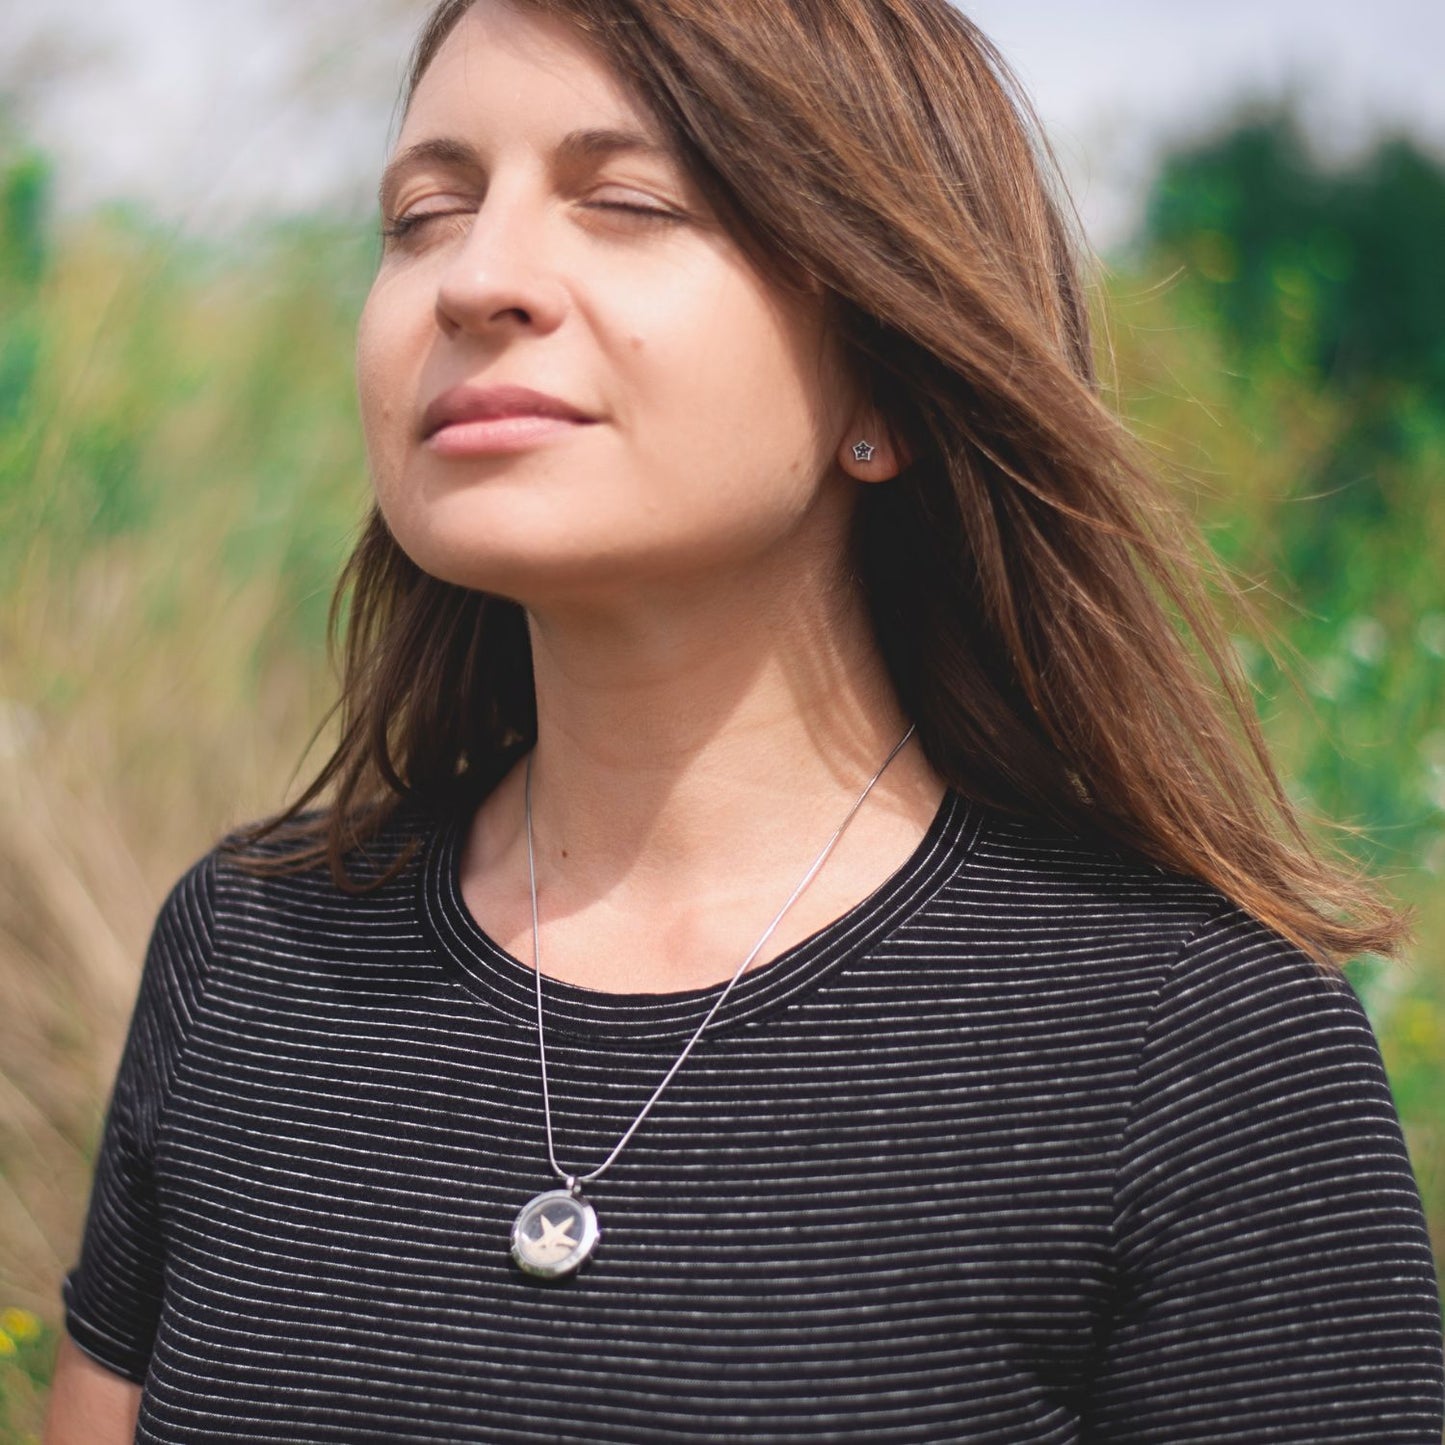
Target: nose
point(499, 277)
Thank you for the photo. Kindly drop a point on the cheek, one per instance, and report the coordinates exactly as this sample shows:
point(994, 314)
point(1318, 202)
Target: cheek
point(386, 379)
point(730, 389)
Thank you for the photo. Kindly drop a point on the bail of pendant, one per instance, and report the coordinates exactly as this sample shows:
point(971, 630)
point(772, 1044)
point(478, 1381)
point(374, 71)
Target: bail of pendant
point(555, 1232)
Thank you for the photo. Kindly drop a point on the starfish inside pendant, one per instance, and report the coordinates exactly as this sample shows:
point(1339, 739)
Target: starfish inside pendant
point(555, 1233)
point(554, 1242)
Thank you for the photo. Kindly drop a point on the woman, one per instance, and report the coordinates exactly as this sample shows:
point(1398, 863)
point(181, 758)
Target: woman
point(795, 949)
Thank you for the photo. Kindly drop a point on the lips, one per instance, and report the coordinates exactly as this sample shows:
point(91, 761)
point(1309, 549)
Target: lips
point(485, 403)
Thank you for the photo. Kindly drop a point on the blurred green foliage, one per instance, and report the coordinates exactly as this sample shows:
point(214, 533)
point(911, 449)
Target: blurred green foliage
point(181, 417)
point(1323, 293)
point(146, 379)
point(1334, 273)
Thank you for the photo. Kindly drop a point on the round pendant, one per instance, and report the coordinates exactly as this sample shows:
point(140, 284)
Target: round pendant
point(555, 1233)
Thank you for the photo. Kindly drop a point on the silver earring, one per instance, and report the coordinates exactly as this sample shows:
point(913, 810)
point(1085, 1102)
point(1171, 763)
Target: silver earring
point(862, 452)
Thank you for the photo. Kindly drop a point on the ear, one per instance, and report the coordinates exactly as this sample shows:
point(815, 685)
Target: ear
point(869, 451)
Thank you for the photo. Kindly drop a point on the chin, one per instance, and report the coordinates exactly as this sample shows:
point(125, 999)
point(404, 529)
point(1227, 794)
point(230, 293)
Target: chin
point(529, 574)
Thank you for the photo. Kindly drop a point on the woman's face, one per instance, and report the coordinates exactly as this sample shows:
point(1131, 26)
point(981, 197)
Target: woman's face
point(716, 403)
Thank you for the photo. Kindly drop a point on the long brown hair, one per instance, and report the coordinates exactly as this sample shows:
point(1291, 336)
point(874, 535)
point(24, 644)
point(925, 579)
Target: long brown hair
point(1044, 607)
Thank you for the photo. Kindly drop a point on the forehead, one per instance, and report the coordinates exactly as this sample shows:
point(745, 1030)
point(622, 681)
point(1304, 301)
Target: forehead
point(505, 73)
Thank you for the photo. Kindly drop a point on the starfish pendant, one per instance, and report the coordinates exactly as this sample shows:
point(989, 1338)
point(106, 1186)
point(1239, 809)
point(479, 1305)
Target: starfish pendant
point(555, 1233)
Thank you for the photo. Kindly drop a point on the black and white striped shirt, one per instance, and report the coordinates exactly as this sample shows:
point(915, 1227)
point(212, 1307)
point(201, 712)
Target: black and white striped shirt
point(1034, 1144)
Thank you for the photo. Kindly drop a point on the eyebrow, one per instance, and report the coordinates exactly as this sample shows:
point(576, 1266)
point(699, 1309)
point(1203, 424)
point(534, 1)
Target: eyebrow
point(595, 144)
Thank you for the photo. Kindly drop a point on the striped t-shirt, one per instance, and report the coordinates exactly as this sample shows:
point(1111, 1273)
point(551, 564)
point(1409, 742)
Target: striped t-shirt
point(1035, 1143)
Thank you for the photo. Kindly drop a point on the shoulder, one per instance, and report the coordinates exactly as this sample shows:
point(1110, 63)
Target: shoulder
point(1049, 890)
point(1235, 955)
point(1186, 955)
point(1255, 1058)
point(240, 887)
point(375, 851)
point(1243, 1008)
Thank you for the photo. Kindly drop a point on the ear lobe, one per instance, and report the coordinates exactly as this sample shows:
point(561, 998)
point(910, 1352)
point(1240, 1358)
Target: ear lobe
point(871, 453)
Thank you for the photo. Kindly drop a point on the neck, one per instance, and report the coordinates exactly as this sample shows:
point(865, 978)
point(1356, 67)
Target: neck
point(713, 744)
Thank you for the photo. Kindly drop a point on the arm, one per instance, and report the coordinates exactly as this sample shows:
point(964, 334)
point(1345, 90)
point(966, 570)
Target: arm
point(113, 1295)
point(1275, 1277)
point(89, 1404)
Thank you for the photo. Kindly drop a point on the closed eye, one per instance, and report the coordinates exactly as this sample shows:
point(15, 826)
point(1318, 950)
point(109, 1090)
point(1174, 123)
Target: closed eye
point(655, 213)
point(403, 226)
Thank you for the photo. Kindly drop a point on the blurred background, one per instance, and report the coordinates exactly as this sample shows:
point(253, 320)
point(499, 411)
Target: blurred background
point(186, 237)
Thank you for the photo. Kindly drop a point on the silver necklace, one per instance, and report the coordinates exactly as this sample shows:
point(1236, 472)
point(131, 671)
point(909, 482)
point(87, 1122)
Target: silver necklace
point(556, 1231)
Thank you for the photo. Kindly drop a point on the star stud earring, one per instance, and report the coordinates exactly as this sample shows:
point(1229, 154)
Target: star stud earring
point(863, 451)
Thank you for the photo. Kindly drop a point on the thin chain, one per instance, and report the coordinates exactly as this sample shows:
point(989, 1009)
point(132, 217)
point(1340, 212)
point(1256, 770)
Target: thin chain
point(561, 1173)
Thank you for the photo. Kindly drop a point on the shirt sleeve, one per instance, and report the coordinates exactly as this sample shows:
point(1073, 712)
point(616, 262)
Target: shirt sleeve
point(1276, 1280)
point(112, 1295)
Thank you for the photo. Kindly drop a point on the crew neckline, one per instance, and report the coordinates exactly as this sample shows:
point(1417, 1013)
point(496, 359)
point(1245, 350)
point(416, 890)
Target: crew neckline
point(481, 966)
